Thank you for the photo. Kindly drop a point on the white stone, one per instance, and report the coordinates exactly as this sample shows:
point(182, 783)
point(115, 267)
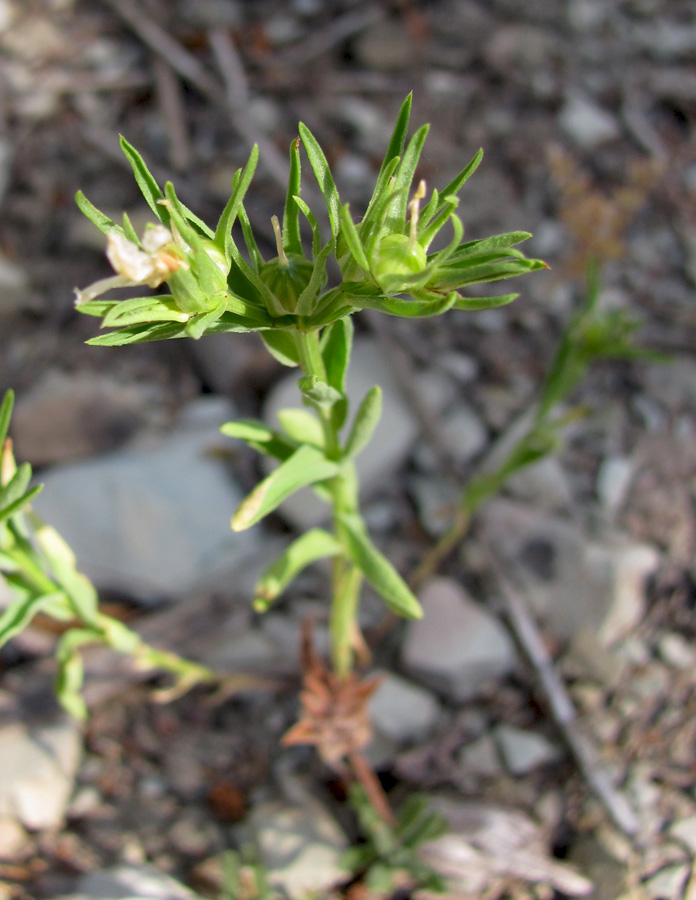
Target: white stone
point(401, 710)
point(586, 123)
point(300, 846)
point(668, 883)
point(457, 646)
point(685, 831)
point(390, 444)
point(544, 483)
point(38, 769)
point(464, 433)
point(677, 652)
point(613, 481)
point(152, 519)
point(523, 750)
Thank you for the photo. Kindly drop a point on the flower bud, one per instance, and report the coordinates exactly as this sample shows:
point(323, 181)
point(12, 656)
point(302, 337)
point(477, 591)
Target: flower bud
point(399, 255)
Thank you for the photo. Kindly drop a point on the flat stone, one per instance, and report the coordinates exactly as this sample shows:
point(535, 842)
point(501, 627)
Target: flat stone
point(68, 416)
point(669, 882)
point(391, 441)
point(401, 710)
point(457, 647)
point(300, 846)
point(38, 770)
point(128, 882)
point(523, 750)
point(587, 124)
point(152, 519)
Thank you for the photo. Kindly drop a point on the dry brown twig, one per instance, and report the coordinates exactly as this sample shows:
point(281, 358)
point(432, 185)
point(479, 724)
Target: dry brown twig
point(561, 706)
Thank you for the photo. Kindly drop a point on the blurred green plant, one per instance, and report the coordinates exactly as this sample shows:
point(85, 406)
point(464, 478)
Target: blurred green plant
point(41, 571)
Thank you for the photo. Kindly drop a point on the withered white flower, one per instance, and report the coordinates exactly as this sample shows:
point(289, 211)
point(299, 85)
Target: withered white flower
point(150, 266)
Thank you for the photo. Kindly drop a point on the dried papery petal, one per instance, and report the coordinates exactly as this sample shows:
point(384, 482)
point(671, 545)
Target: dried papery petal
point(141, 267)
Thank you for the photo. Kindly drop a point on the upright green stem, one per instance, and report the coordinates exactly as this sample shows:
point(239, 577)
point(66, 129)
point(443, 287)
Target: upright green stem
point(347, 578)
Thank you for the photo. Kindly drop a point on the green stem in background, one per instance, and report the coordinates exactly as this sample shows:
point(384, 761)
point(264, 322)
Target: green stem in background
point(347, 578)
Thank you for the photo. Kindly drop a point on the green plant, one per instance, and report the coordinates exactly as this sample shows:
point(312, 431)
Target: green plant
point(386, 263)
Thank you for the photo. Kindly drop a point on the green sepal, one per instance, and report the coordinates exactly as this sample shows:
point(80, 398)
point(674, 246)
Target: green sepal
point(395, 221)
point(378, 571)
point(307, 299)
point(349, 233)
point(307, 465)
point(364, 424)
point(322, 172)
point(314, 545)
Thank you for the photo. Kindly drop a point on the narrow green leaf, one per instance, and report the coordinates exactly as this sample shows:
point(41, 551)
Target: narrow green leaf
point(307, 299)
point(138, 334)
point(398, 138)
point(281, 346)
point(292, 240)
point(141, 310)
point(495, 242)
point(365, 422)
point(352, 239)
point(301, 426)
point(6, 415)
point(130, 231)
point(307, 465)
point(455, 186)
point(70, 676)
point(223, 231)
point(396, 215)
point(377, 569)
point(336, 353)
point(148, 186)
point(249, 430)
point(322, 172)
point(17, 505)
point(314, 225)
point(17, 485)
point(476, 303)
point(315, 544)
point(408, 309)
point(78, 588)
point(19, 613)
point(255, 254)
point(102, 221)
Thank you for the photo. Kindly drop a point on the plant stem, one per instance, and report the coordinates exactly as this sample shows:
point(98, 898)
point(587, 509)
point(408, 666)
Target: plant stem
point(347, 578)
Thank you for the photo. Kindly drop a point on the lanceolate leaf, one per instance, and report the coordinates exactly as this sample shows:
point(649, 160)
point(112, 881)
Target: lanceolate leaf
point(292, 241)
point(281, 346)
point(365, 422)
point(17, 505)
point(102, 221)
point(308, 548)
point(336, 353)
point(396, 216)
point(223, 232)
point(377, 569)
point(475, 303)
point(398, 138)
point(5, 415)
point(307, 465)
point(19, 614)
point(301, 426)
point(150, 189)
point(321, 169)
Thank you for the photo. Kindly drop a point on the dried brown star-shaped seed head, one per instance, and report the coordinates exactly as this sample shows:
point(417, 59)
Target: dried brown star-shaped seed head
point(334, 714)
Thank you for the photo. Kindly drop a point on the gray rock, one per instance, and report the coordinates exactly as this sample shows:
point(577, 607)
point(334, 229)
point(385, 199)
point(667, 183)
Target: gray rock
point(436, 501)
point(480, 757)
point(402, 711)
point(587, 124)
point(38, 769)
point(130, 882)
point(458, 646)
point(300, 846)
point(387, 46)
point(391, 441)
point(68, 416)
point(572, 582)
point(523, 750)
point(545, 484)
point(673, 383)
point(152, 519)
point(464, 433)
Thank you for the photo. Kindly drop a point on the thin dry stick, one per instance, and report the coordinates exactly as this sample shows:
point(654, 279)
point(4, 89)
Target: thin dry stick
point(341, 28)
point(562, 709)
